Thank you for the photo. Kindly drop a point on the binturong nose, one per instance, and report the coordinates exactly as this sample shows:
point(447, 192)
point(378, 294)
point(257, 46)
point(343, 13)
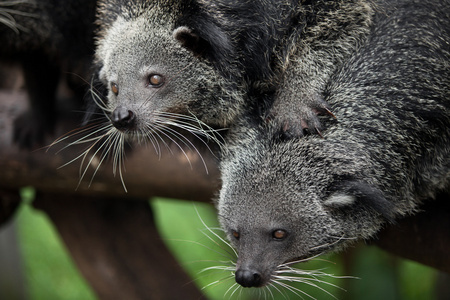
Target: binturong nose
point(248, 278)
point(123, 118)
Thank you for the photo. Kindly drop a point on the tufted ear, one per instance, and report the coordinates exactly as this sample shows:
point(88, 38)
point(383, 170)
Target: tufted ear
point(351, 193)
point(190, 40)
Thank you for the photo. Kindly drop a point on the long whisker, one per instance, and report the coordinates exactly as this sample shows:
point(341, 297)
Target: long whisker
point(105, 142)
point(167, 133)
point(281, 292)
point(307, 281)
point(217, 282)
point(233, 254)
point(184, 140)
point(294, 290)
point(155, 131)
point(98, 139)
point(300, 260)
point(7, 15)
point(83, 139)
point(150, 136)
point(119, 157)
point(189, 144)
point(99, 101)
point(192, 118)
point(237, 287)
point(186, 123)
point(102, 158)
point(328, 245)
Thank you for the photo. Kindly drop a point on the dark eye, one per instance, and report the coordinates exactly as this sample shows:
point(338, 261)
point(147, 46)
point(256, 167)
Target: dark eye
point(279, 234)
point(235, 234)
point(114, 88)
point(155, 80)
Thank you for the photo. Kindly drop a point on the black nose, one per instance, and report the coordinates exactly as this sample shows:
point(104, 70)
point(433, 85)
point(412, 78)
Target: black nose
point(248, 278)
point(123, 118)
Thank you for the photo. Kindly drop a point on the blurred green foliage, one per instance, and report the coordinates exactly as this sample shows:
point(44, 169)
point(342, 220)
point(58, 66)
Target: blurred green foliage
point(51, 274)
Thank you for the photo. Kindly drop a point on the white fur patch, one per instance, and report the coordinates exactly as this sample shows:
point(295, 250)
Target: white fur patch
point(340, 200)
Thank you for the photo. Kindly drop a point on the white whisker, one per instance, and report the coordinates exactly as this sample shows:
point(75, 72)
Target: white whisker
point(221, 268)
point(198, 132)
point(84, 139)
point(328, 245)
point(281, 292)
point(152, 131)
point(270, 291)
point(7, 15)
point(231, 255)
point(166, 132)
point(294, 290)
point(305, 281)
point(98, 100)
point(200, 126)
point(106, 142)
point(235, 286)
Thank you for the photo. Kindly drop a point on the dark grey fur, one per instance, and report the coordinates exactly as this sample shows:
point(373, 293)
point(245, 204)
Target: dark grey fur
point(290, 49)
point(327, 33)
point(50, 39)
point(387, 152)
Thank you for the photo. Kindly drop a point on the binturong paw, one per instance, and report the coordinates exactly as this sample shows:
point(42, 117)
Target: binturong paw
point(301, 118)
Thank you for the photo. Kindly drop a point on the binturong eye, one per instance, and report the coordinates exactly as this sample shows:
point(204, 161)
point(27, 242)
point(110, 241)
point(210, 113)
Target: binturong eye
point(279, 234)
point(114, 88)
point(236, 234)
point(155, 80)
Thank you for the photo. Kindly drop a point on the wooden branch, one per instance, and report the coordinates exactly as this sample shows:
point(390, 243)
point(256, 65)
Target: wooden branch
point(174, 174)
point(117, 248)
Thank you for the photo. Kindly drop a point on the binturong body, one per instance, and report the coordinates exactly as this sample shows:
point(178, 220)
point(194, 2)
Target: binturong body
point(51, 40)
point(322, 36)
point(288, 51)
point(158, 60)
point(387, 152)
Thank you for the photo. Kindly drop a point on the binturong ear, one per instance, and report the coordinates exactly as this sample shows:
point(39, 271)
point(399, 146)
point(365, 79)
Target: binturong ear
point(191, 41)
point(355, 193)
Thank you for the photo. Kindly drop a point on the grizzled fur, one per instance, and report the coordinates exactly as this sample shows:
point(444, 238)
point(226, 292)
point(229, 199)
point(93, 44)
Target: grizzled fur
point(385, 154)
point(258, 48)
point(327, 34)
point(49, 39)
point(177, 41)
point(290, 49)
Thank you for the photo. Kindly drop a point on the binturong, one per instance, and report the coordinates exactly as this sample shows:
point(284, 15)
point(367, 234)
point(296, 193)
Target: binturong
point(285, 200)
point(164, 63)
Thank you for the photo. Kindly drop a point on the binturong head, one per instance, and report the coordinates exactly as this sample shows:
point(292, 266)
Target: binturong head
point(285, 202)
point(157, 67)
point(164, 74)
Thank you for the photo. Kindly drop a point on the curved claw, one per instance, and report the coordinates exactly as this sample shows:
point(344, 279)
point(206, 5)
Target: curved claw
point(318, 132)
point(330, 112)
